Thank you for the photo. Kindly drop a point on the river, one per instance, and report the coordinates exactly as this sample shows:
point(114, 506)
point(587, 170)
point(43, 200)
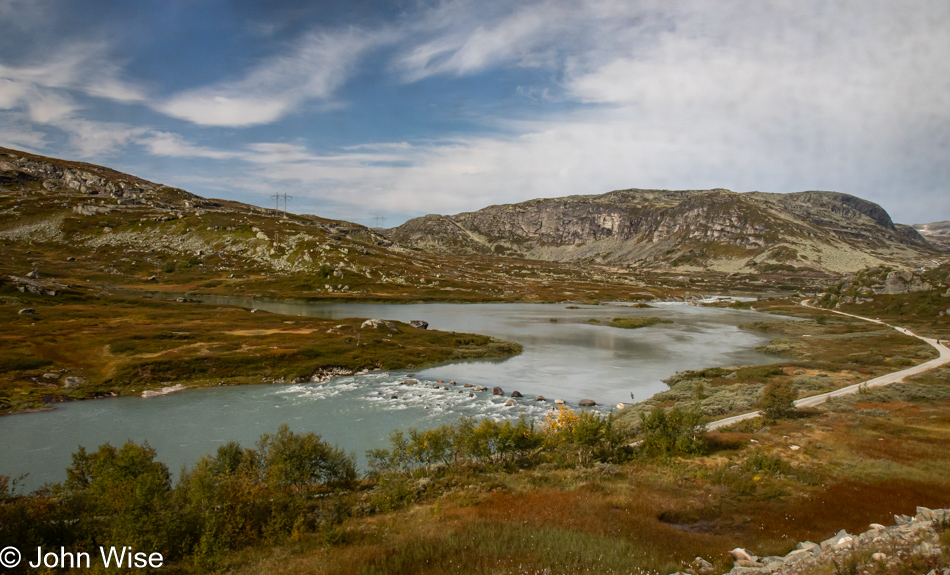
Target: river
point(563, 358)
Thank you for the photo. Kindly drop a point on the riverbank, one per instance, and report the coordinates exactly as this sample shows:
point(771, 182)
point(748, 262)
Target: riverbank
point(81, 344)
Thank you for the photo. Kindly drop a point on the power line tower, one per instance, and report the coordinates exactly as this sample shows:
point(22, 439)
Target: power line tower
point(377, 219)
point(286, 197)
point(276, 202)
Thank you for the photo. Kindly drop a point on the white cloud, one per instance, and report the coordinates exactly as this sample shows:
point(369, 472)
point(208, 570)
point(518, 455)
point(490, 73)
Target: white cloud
point(173, 145)
point(16, 134)
point(467, 43)
point(47, 107)
point(83, 67)
point(311, 70)
point(92, 139)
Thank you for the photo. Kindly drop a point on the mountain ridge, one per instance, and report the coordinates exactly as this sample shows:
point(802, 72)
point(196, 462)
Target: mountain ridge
point(692, 230)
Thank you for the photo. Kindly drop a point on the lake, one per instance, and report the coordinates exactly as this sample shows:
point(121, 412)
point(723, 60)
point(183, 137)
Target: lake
point(563, 358)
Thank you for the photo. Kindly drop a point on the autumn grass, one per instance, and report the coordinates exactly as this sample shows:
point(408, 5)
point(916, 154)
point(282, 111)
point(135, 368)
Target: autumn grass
point(126, 345)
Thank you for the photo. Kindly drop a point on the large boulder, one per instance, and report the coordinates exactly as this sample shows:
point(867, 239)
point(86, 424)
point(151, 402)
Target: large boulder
point(377, 323)
point(497, 391)
point(418, 323)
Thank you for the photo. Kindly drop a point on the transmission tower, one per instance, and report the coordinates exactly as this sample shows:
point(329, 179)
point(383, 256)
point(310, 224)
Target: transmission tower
point(286, 197)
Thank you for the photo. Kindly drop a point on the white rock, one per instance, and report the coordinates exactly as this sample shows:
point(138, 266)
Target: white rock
point(740, 554)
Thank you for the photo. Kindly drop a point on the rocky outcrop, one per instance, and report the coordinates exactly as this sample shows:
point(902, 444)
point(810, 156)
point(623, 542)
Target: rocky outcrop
point(754, 232)
point(912, 540)
point(903, 281)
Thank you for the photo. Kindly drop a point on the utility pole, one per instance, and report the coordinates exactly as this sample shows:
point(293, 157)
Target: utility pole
point(286, 197)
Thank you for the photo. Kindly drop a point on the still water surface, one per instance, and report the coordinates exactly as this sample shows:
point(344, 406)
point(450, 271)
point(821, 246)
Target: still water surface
point(564, 359)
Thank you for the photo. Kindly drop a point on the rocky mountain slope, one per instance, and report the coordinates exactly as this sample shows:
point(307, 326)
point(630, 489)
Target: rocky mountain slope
point(74, 222)
point(937, 233)
point(694, 230)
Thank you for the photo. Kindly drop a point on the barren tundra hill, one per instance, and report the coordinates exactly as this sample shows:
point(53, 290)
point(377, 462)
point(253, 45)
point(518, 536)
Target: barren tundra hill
point(937, 233)
point(690, 230)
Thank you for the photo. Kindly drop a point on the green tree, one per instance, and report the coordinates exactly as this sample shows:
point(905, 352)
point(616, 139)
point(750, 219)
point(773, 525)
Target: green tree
point(300, 461)
point(778, 400)
point(122, 493)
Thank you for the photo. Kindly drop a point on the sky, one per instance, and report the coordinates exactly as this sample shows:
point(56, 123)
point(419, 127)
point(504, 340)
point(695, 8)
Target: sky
point(366, 109)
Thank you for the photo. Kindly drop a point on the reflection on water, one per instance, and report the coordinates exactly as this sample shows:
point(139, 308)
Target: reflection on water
point(564, 359)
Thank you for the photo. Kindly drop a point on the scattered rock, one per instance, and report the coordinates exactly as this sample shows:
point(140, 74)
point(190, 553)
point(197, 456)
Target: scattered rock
point(418, 323)
point(497, 391)
point(621, 405)
point(587, 403)
point(74, 381)
point(52, 376)
point(27, 311)
point(516, 394)
point(701, 566)
point(510, 402)
point(33, 275)
point(480, 388)
point(559, 401)
point(540, 398)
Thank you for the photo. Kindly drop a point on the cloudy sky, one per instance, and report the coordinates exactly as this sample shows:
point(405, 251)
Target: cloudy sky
point(363, 108)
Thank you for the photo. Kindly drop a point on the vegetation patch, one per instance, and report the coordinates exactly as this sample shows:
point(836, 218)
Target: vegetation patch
point(630, 322)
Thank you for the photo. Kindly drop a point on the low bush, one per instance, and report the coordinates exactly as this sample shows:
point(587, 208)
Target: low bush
point(672, 432)
point(778, 400)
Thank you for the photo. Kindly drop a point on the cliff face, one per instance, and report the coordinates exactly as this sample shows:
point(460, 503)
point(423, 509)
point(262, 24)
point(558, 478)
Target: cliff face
point(693, 229)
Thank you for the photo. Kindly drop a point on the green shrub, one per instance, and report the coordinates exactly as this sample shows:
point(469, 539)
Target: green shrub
point(673, 432)
point(21, 363)
point(778, 400)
